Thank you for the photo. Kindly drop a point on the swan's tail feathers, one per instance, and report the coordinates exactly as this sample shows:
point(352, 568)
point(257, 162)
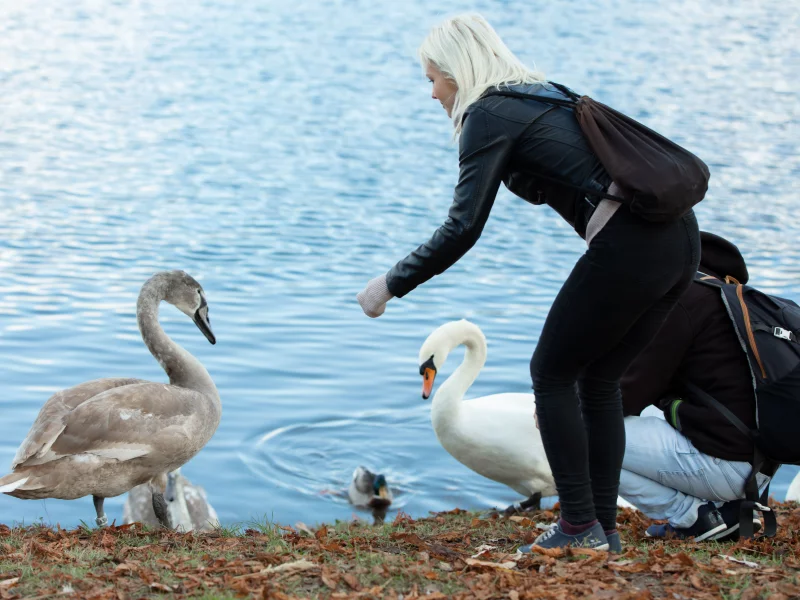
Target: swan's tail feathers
point(11, 482)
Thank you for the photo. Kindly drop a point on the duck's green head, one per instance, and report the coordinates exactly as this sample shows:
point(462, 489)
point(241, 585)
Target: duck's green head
point(380, 488)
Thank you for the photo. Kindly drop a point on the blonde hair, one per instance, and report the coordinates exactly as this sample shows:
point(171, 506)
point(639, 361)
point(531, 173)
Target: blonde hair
point(467, 50)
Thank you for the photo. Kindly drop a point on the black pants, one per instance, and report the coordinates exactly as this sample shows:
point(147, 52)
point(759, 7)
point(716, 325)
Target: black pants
point(612, 304)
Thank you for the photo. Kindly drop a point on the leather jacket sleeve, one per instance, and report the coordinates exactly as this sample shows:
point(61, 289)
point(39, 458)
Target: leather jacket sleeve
point(484, 150)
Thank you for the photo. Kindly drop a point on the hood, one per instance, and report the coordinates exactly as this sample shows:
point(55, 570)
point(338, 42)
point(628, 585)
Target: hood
point(720, 257)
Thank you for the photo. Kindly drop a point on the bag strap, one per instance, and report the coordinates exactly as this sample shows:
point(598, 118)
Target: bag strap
point(546, 99)
point(753, 501)
point(711, 402)
point(587, 191)
point(566, 104)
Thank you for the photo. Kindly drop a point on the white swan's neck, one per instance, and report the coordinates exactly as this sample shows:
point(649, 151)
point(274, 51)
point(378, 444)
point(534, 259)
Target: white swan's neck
point(447, 400)
point(183, 369)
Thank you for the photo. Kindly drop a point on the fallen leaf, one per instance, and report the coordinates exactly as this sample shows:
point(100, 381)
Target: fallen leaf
point(7, 583)
point(302, 527)
point(322, 533)
point(352, 581)
point(479, 523)
point(483, 563)
point(410, 538)
point(443, 552)
point(513, 595)
point(431, 575)
point(329, 578)
point(524, 521)
point(124, 567)
point(483, 550)
point(161, 587)
point(629, 566)
point(291, 567)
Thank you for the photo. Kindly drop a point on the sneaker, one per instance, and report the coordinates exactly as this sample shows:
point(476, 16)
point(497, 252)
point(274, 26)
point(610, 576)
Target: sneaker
point(555, 537)
point(614, 543)
point(730, 514)
point(709, 524)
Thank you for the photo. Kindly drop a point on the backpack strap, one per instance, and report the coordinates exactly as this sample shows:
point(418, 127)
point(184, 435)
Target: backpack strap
point(778, 332)
point(753, 501)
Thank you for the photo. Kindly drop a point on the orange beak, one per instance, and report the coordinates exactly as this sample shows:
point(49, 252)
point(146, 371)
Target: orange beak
point(427, 382)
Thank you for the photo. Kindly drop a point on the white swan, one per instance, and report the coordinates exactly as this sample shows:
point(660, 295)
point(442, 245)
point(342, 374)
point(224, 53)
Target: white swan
point(104, 437)
point(495, 436)
point(187, 505)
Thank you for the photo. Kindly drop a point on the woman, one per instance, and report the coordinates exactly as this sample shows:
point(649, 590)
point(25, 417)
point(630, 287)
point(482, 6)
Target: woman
point(612, 304)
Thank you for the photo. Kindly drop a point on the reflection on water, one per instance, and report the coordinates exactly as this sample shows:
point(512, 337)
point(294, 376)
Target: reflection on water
point(286, 154)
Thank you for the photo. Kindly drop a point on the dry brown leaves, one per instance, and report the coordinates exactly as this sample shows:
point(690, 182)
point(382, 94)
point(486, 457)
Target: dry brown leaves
point(416, 558)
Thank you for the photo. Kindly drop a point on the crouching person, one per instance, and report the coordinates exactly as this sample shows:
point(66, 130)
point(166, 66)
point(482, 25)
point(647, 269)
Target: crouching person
point(690, 468)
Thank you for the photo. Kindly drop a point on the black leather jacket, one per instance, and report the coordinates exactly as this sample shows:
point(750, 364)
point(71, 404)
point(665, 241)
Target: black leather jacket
point(508, 139)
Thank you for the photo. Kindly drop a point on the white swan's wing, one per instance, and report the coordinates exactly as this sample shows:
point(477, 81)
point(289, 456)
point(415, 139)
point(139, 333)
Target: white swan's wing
point(51, 420)
point(122, 424)
point(497, 437)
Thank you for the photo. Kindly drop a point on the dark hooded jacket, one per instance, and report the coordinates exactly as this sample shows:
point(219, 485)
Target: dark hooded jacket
point(698, 342)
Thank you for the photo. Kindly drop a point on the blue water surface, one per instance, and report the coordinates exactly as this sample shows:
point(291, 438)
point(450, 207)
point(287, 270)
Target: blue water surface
point(284, 153)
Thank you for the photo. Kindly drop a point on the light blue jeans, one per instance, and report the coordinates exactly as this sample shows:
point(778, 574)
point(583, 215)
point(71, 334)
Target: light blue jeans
point(666, 477)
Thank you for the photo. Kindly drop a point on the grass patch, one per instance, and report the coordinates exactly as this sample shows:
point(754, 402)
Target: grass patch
point(448, 555)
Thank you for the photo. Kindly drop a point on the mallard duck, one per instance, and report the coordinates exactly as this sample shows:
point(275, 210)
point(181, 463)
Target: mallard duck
point(368, 490)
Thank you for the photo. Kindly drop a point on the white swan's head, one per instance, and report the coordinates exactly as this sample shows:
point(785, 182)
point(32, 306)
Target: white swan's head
point(437, 347)
point(184, 293)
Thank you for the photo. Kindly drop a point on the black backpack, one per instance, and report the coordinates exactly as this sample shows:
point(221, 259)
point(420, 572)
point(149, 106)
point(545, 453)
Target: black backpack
point(659, 180)
point(768, 328)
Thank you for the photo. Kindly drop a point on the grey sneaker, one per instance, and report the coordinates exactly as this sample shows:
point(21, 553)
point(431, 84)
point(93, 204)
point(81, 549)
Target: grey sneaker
point(555, 537)
point(614, 543)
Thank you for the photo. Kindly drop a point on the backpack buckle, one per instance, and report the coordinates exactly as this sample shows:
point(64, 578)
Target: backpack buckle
point(784, 334)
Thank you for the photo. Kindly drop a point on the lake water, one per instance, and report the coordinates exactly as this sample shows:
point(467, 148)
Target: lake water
point(286, 153)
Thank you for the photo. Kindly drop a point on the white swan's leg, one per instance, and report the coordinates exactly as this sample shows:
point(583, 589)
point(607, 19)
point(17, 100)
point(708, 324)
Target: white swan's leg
point(532, 503)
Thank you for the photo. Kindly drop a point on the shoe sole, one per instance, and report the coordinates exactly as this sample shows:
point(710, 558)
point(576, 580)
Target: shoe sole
point(601, 548)
point(735, 529)
point(711, 532)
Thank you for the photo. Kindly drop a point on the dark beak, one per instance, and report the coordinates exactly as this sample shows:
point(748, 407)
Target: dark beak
point(203, 323)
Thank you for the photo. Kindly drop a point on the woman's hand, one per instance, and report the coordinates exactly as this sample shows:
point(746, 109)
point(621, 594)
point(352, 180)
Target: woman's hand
point(374, 297)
